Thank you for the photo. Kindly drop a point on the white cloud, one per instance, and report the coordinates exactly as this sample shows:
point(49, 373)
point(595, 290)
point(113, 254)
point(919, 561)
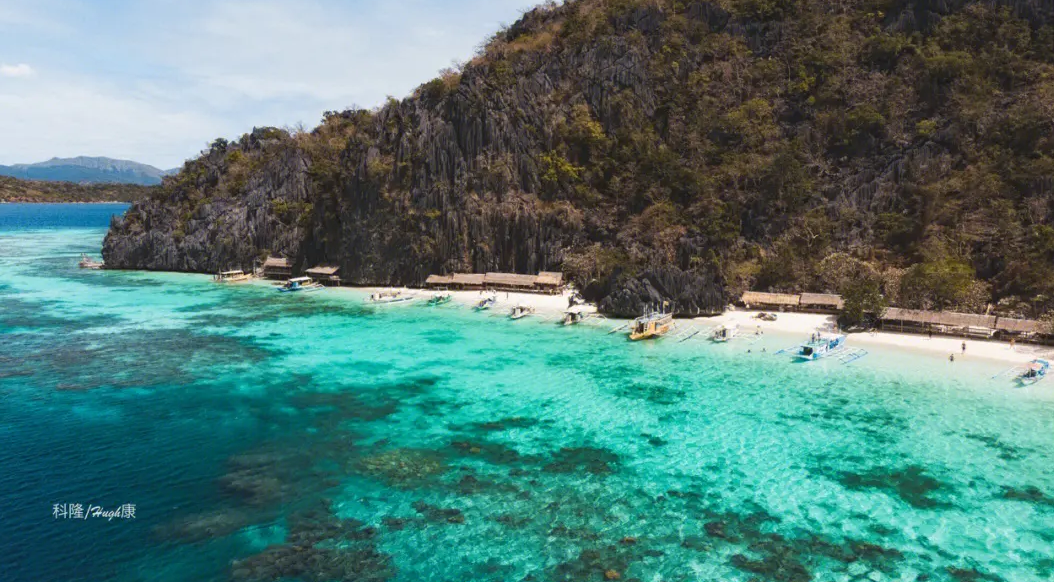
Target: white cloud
point(19, 70)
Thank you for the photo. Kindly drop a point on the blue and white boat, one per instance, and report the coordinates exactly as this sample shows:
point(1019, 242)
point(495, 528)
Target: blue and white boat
point(1035, 371)
point(300, 284)
point(821, 345)
point(486, 303)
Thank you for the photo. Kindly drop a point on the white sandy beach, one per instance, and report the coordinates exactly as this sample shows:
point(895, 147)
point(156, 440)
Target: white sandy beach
point(801, 324)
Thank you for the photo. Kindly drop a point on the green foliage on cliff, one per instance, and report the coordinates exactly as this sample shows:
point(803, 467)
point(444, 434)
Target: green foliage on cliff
point(757, 138)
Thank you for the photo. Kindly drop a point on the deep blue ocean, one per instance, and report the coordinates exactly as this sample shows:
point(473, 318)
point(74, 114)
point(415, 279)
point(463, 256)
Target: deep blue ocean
point(311, 438)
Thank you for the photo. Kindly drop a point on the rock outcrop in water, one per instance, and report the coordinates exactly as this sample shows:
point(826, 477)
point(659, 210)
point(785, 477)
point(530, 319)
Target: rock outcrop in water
point(667, 151)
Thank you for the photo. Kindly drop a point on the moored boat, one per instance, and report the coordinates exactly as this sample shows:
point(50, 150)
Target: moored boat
point(725, 333)
point(392, 297)
point(232, 277)
point(819, 346)
point(573, 316)
point(1035, 371)
point(87, 263)
point(440, 299)
point(651, 325)
point(299, 284)
point(486, 303)
point(521, 311)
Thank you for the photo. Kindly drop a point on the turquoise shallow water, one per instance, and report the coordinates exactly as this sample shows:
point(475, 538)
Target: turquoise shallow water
point(266, 437)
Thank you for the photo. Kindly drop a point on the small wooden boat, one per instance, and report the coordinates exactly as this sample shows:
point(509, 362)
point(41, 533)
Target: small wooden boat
point(486, 303)
point(521, 311)
point(725, 333)
point(300, 284)
point(87, 263)
point(651, 325)
point(232, 277)
point(1035, 371)
point(392, 297)
point(819, 346)
point(440, 299)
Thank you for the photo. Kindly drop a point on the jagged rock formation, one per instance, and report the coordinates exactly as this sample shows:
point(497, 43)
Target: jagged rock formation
point(660, 151)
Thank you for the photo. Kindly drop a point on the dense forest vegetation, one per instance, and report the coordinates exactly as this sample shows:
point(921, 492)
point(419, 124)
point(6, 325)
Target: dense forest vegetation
point(896, 151)
point(15, 190)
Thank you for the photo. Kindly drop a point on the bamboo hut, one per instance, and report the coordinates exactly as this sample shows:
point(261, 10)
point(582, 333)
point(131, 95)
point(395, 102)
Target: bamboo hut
point(549, 282)
point(509, 282)
point(1022, 327)
point(945, 322)
point(822, 302)
point(757, 299)
point(439, 281)
point(325, 274)
point(277, 268)
point(466, 281)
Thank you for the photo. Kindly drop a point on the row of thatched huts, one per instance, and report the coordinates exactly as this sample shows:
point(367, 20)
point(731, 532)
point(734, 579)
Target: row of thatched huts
point(281, 269)
point(899, 319)
point(544, 282)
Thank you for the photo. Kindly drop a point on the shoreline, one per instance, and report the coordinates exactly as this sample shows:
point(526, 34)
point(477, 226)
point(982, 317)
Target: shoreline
point(790, 324)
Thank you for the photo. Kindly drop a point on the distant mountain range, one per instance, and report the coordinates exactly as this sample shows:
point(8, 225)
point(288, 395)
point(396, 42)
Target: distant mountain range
point(88, 170)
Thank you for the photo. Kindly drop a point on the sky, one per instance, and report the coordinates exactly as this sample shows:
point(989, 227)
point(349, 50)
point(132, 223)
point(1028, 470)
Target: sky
point(156, 81)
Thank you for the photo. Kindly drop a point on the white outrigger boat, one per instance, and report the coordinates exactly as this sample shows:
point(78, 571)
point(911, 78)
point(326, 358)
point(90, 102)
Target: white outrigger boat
point(819, 346)
point(725, 333)
point(521, 311)
point(574, 316)
point(486, 303)
point(392, 297)
point(440, 299)
point(1035, 371)
point(232, 277)
point(300, 284)
point(87, 263)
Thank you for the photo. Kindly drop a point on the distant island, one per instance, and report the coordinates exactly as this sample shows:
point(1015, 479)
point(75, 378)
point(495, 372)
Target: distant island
point(15, 190)
point(88, 170)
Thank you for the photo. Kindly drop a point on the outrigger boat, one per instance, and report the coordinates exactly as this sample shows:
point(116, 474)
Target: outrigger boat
point(521, 311)
point(821, 345)
point(440, 299)
point(392, 297)
point(651, 325)
point(87, 263)
point(486, 303)
point(573, 316)
point(300, 284)
point(232, 277)
point(1035, 371)
point(725, 333)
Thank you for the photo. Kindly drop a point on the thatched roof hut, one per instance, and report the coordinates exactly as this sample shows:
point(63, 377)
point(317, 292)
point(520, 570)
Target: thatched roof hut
point(757, 298)
point(324, 274)
point(277, 268)
point(439, 280)
point(822, 300)
point(510, 280)
point(1011, 325)
point(467, 280)
point(946, 318)
point(549, 279)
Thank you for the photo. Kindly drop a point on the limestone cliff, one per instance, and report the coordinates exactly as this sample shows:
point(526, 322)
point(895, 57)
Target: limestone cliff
point(657, 149)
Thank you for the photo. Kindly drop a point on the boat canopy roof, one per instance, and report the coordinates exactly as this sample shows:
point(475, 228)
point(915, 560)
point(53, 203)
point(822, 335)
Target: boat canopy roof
point(300, 280)
point(239, 272)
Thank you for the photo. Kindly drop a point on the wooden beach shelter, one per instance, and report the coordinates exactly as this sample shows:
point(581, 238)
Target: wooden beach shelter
point(757, 299)
point(467, 281)
point(277, 268)
point(439, 281)
point(549, 282)
point(325, 274)
point(509, 282)
point(822, 302)
point(1022, 327)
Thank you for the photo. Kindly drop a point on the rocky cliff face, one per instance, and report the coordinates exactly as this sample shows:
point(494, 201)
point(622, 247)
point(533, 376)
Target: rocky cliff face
point(652, 150)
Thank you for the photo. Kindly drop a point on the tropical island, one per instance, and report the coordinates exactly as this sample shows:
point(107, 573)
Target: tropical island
point(895, 152)
point(39, 191)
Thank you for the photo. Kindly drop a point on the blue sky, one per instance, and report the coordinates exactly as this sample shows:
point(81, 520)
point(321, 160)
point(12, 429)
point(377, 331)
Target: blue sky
point(156, 80)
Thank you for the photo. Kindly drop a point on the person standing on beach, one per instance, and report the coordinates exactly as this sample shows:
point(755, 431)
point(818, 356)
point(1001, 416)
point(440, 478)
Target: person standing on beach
point(964, 347)
point(1011, 344)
